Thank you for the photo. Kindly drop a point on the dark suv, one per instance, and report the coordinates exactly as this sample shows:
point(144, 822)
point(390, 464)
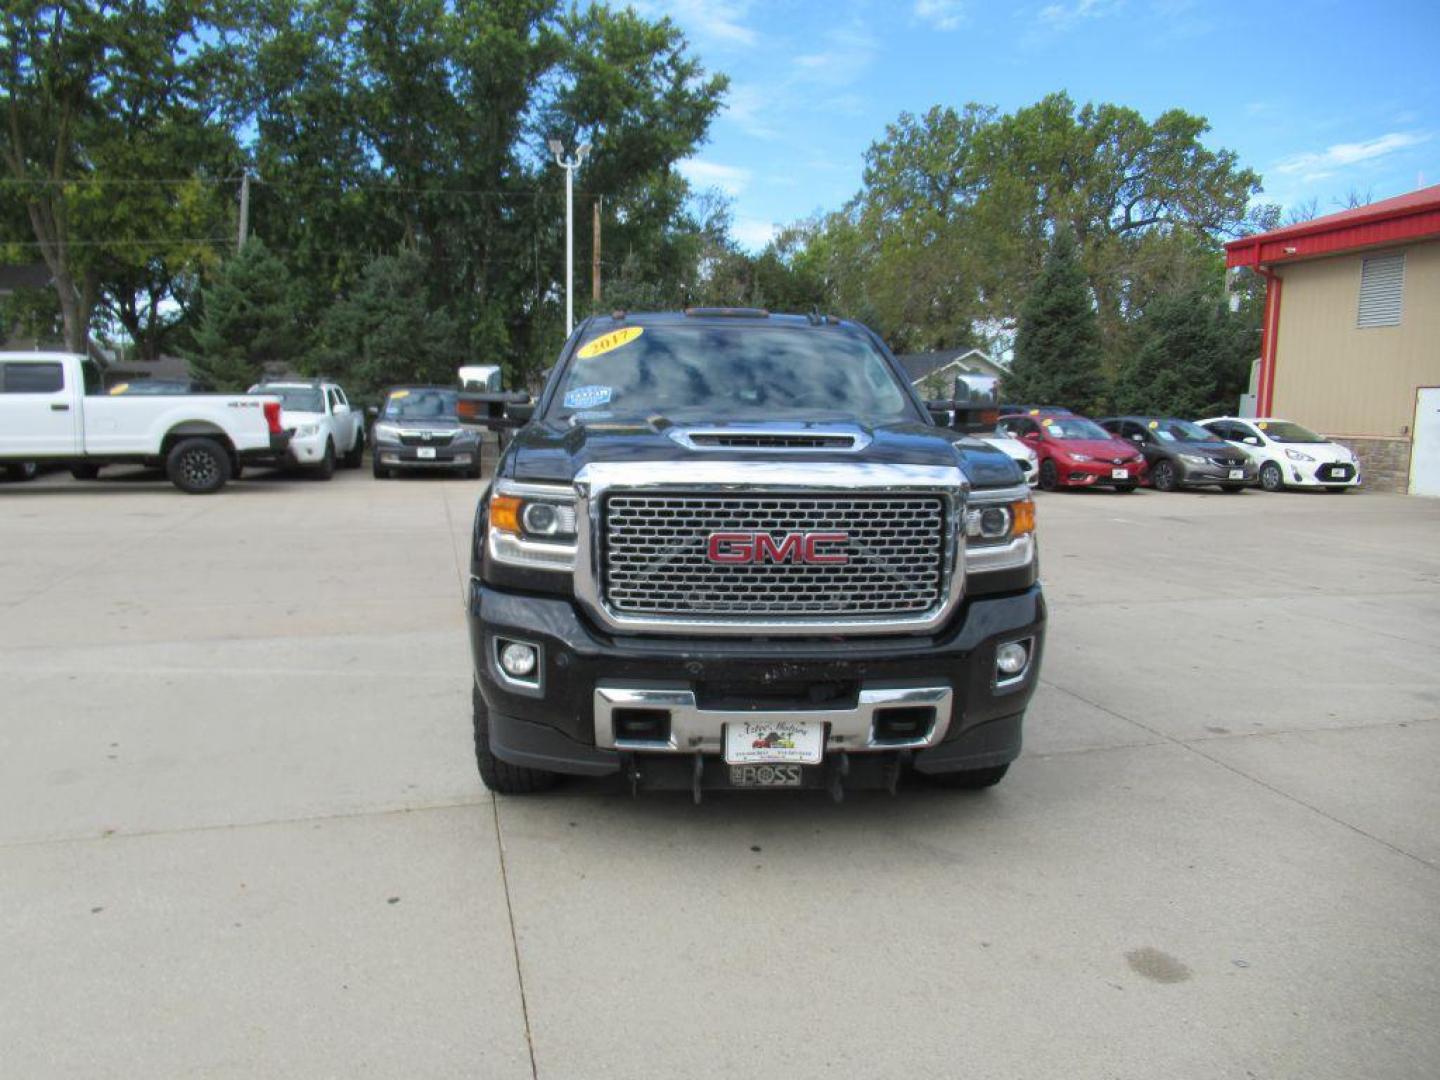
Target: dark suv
point(732, 549)
point(1180, 454)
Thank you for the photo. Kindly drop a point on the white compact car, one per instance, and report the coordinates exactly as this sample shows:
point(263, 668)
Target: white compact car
point(326, 428)
point(1289, 455)
point(1018, 452)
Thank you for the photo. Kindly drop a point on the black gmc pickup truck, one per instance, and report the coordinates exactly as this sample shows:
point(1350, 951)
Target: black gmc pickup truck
point(733, 549)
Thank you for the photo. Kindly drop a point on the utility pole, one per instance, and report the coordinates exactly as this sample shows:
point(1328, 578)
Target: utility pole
point(569, 164)
point(595, 257)
point(244, 212)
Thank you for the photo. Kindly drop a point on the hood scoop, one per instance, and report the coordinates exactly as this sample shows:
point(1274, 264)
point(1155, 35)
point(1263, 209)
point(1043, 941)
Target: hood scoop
point(799, 441)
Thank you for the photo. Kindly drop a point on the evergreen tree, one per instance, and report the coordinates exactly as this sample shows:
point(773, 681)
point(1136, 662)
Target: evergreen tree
point(1192, 357)
point(387, 330)
point(1057, 346)
point(249, 318)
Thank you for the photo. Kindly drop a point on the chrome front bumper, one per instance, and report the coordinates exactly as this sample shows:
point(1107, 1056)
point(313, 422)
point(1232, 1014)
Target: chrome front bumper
point(697, 730)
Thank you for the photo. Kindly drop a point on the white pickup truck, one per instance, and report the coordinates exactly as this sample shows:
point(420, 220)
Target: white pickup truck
point(54, 410)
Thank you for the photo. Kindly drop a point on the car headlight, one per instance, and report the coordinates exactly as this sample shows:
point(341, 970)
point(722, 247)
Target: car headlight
point(999, 531)
point(1193, 459)
point(466, 436)
point(387, 433)
point(532, 525)
point(305, 431)
point(1296, 455)
point(1078, 457)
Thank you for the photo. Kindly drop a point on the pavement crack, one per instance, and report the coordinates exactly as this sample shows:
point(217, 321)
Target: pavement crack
point(514, 937)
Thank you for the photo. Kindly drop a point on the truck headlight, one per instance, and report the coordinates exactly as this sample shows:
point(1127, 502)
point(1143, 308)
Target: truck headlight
point(532, 525)
point(999, 532)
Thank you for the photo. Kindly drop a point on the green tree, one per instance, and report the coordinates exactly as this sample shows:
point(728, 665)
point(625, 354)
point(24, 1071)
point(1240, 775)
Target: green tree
point(1192, 357)
point(387, 330)
point(1057, 346)
point(87, 88)
point(249, 319)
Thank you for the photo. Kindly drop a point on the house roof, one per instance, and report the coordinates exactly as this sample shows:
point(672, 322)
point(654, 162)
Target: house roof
point(920, 365)
point(1409, 217)
point(24, 276)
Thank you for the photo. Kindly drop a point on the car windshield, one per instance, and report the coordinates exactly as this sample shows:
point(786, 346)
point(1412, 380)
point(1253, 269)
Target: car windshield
point(1073, 427)
point(1285, 431)
point(423, 404)
point(1180, 431)
point(295, 398)
point(730, 372)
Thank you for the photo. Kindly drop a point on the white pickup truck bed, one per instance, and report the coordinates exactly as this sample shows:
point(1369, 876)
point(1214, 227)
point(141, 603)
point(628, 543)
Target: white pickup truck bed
point(52, 409)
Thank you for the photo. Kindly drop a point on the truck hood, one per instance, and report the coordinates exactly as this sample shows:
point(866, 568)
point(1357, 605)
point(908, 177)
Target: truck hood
point(547, 451)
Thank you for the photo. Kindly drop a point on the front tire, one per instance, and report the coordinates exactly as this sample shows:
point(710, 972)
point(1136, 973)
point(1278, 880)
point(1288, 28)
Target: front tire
point(1049, 475)
point(379, 471)
point(1125, 489)
point(25, 470)
point(326, 469)
point(500, 776)
point(355, 456)
point(198, 466)
point(1232, 489)
point(1162, 476)
point(1271, 478)
point(85, 472)
point(971, 779)
point(1333, 490)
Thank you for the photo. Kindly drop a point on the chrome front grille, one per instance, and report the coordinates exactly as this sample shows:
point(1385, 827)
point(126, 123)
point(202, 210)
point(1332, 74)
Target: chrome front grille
point(655, 557)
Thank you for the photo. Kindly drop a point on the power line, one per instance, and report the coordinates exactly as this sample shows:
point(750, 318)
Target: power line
point(341, 186)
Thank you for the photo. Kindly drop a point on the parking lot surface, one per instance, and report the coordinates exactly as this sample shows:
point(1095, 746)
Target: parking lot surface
point(241, 832)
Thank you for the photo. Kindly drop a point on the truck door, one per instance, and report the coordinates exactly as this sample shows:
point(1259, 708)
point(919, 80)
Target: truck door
point(39, 413)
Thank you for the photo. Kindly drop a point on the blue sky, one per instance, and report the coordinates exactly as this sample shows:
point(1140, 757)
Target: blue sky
point(1318, 97)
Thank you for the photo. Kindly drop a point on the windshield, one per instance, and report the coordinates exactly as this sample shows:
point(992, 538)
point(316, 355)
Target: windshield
point(723, 372)
point(420, 405)
point(1285, 431)
point(294, 398)
point(1181, 431)
point(1072, 427)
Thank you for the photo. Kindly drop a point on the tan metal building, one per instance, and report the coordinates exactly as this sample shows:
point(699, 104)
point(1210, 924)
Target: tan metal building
point(1351, 337)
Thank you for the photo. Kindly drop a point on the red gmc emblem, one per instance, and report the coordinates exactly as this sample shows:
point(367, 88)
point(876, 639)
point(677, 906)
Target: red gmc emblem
point(735, 548)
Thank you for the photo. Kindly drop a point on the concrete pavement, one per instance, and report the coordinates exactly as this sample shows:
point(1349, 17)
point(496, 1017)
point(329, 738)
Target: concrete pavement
point(241, 832)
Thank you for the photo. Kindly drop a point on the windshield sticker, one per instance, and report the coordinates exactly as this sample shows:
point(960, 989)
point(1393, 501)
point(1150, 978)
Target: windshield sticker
point(1165, 435)
point(1262, 425)
point(586, 415)
point(609, 342)
point(1046, 422)
point(587, 397)
point(119, 388)
point(396, 395)
point(1034, 412)
point(1154, 424)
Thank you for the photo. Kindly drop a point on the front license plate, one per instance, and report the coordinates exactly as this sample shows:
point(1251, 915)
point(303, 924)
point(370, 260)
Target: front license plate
point(756, 742)
point(425, 453)
point(765, 776)
point(1120, 474)
point(1237, 474)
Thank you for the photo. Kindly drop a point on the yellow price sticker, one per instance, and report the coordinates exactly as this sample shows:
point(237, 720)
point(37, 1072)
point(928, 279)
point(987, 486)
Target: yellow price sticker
point(119, 388)
point(1262, 425)
point(609, 342)
point(396, 395)
point(1154, 424)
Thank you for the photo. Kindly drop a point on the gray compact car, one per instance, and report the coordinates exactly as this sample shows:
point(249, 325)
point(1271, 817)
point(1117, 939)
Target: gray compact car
point(1180, 454)
point(417, 429)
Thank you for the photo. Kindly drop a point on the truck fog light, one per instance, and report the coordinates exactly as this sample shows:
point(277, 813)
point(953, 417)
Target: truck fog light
point(1011, 658)
point(517, 659)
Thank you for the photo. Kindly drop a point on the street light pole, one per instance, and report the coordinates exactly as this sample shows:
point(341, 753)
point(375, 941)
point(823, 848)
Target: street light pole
point(569, 164)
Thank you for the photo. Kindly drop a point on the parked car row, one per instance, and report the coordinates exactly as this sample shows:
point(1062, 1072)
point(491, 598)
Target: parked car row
point(1170, 454)
point(55, 411)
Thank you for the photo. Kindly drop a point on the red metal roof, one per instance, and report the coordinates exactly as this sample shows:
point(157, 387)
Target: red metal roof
point(1413, 216)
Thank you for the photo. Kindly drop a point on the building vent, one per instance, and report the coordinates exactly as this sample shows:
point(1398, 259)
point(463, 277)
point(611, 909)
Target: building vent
point(1382, 287)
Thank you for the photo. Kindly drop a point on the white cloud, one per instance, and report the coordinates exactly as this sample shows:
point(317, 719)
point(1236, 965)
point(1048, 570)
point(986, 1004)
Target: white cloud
point(844, 59)
point(941, 14)
point(753, 233)
point(1063, 15)
point(715, 21)
point(753, 108)
point(1318, 164)
point(731, 179)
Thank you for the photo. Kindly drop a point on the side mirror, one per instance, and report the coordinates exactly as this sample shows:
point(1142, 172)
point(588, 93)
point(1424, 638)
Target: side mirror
point(1137, 437)
point(943, 417)
point(521, 412)
point(372, 411)
point(1031, 436)
point(1253, 440)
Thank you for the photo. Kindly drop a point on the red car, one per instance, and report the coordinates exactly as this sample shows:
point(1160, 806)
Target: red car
point(1075, 452)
